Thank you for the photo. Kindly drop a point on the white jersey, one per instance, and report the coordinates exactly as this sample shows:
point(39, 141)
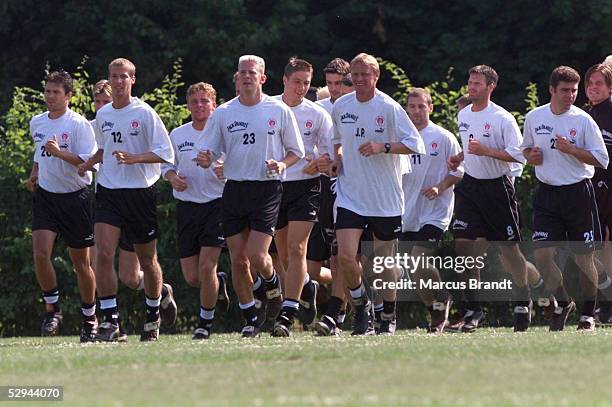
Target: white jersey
point(74, 135)
point(136, 129)
point(372, 186)
point(250, 135)
point(327, 104)
point(493, 127)
point(202, 183)
point(315, 126)
point(541, 128)
point(430, 169)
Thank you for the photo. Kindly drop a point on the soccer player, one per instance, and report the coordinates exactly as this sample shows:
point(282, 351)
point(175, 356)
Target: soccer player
point(63, 139)
point(260, 139)
point(198, 211)
point(133, 141)
point(335, 71)
point(428, 201)
point(371, 131)
point(301, 193)
point(486, 209)
point(598, 88)
point(564, 144)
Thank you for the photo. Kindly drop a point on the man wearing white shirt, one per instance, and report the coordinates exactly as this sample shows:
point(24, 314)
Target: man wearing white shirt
point(63, 139)
point(198, 210)
point(301, 196)
point(260, 139)
point(132, 142)
point(372, 135)
point(565, 144)
point(429, 200)
point(486, 208)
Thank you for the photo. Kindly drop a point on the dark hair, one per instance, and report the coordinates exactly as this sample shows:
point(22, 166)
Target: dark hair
point(297, 65)
point(563, 74)
point(605, 70)
point(312, 94)
point(347, 80)
point(61, 77)
point(338, 66)
point(489, 73)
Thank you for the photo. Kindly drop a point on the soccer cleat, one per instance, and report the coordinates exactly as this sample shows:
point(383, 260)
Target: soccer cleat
point(108, 332)
point(51, 324)
point(282, 326)
point(387, 324)
point(586, 323)
point(150, 332)
point(604, 316)
point(522, 317)
point(89, 329)
point(472, 320)
point(200, 334)
point(326, 327)
point(560, 314)
point(223, 301)
point(250, 331)
point(167, 307)
point(309, 306)
point(362, 319)
point(439, 315)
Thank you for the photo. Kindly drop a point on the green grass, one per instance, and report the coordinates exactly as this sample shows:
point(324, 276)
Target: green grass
point(490, 367)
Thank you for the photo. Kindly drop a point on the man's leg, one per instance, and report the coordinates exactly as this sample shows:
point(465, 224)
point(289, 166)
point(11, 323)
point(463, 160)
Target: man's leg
point(106, 239)
point(87, 289)
point(515, 264)
point(385, 249)
point(153, 280)
point(209, 289)
point(43, 241)
point(588, 285)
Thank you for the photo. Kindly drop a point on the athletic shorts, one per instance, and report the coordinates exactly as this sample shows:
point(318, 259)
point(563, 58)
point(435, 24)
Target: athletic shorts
point(603, 194)
point(566, 213)
point(68, 215)
point(428, 236)
point(198, 225)
point(328, 198)
point(318, 248)
point(382, 227)
point(250, 204)
point(300, 202)
point(133, 210)
point(486, 208)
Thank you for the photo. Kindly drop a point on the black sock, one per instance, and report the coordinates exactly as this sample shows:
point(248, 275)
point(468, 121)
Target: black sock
point(88, 309)
point(521, 296)
point(388, 307)
point(51, 297)
point(250, 315)
point(308, 291)
point(152, 306)
point(562, 296)
point(206, 318)
point(333, 307)
point(110, 311)
point(588, 307)
point(290, 308)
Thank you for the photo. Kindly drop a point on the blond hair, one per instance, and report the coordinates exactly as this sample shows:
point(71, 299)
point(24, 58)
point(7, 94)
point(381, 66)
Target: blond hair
point(123, 62)
point(368, 60)
point(206, 88)
point(103, 87)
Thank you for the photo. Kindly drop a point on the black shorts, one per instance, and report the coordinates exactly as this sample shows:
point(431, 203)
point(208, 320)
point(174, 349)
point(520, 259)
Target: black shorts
point(383, 227)
point(603, 194)
point(318, 248)
point(198, 225)
point(428, 236)
point(250, 204)
point(68, 215)
point(328, 198)
point(486, 208)
point(124, 243)
point(133, 210)
point(566, 213)
point(300, 202)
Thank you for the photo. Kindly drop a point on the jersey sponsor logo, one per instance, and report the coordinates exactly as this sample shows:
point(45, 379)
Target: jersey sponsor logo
point(38, 137)
point(107, 126)
point(434, 149)
point(348, 118)
point(543, 130)
point(237, 126)
point(186, 146)
point(463, 126)
point(539, 236)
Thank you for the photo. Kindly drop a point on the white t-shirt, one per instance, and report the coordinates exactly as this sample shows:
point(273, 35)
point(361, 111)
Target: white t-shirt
point(493, 127)
point(372, 186)
point(73, 134)
point(327, 104)
point(136, 129)
point(428, 170)
point(541, 128)
point(202, 183)
point(250, 135)
point(315, 126)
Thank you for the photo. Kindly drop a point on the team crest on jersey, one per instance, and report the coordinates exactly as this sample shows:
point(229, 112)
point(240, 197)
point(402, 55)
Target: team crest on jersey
point(107, 126)
point(38, 137)
point(272, 123)
point(487, 130)
point(135, 124)
point(64, 136)
point(434, 149)
point(572, 134)
point(237, 126)
point(308, 124)
point(348, 118)
point(135, 128)
point(543, 130)
point(463, 126)
point(380, 121)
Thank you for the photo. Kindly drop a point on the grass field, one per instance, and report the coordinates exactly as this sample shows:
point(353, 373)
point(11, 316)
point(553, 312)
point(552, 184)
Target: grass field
point(490, 367)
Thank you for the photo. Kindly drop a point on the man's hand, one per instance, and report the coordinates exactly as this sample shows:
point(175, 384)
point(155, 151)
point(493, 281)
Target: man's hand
point(274, 167)
point(564, 145)
point(477, 148)
point(431, 193)
point(32, 182)
point(312, 167)
point(178, 182)
point(204, 158)
point(336, 166)
point(123, 157)
point(454, 161)
point(534, 156)
point(324, 164)
point(218, 170)
point(52, 147)
point(371, 148)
